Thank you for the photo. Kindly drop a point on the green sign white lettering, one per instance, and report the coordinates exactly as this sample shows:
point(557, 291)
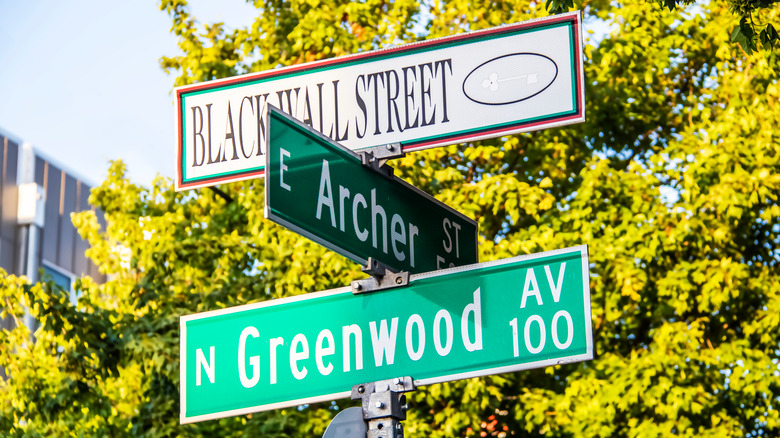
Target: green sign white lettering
point(320, 189)
point(496, 317)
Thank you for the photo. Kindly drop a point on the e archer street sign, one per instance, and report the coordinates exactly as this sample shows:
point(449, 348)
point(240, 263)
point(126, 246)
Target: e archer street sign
point(321, 190)
point(483, 84)
point(503, 316)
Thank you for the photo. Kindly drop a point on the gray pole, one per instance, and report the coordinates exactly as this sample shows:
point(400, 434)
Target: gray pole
point(384, 406)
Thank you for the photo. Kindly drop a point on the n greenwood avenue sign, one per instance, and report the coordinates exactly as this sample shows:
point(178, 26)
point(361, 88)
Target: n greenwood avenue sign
point(515, 314)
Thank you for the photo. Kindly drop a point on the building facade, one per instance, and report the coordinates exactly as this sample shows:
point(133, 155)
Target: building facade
point(37, 235)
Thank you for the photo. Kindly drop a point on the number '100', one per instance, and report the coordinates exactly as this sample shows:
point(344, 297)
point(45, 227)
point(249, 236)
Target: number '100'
point(535, 346)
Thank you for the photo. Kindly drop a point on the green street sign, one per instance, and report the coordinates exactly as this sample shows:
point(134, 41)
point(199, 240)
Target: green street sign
point(321, 190)
point(496, 317)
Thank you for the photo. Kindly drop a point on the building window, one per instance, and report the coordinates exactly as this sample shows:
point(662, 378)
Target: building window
point(62, 278)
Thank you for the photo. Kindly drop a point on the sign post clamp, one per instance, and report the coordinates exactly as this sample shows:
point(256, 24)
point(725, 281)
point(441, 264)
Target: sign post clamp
point(376, 158)
point(382, 277)
point(384, 405)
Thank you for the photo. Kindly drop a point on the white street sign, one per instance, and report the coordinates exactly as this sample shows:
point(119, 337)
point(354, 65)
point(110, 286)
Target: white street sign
point(466, 87)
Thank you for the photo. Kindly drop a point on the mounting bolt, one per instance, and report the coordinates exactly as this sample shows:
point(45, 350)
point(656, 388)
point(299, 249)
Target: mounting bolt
point(389, 147)
point(397, 380)
point(379, 405)
point(357, 285)
point(361, 389)
point(399, 280)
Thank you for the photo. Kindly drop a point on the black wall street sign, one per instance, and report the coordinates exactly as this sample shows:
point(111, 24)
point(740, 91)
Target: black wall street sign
point(483, 84)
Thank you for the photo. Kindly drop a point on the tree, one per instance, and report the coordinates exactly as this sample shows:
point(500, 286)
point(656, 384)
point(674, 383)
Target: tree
point(673, 183)
point(755, 19)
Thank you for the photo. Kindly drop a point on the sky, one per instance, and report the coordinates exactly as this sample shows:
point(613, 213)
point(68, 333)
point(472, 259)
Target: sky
point(80, 80)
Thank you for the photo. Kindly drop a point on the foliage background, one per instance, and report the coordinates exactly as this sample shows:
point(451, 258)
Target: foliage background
point(673, 183)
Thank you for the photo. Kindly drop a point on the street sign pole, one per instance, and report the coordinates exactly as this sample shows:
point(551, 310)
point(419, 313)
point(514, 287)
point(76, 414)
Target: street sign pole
point(384, 405)
point(496, 317)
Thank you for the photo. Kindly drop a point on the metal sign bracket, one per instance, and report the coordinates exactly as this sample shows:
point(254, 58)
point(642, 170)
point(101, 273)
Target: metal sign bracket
point(376, 158)
point(382, 277)
point(384, 405)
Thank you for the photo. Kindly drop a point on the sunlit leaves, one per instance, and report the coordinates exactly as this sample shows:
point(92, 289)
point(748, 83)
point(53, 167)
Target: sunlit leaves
point(672, 182)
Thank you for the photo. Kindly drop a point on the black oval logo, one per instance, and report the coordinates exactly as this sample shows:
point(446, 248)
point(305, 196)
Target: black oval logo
point(510, 78)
